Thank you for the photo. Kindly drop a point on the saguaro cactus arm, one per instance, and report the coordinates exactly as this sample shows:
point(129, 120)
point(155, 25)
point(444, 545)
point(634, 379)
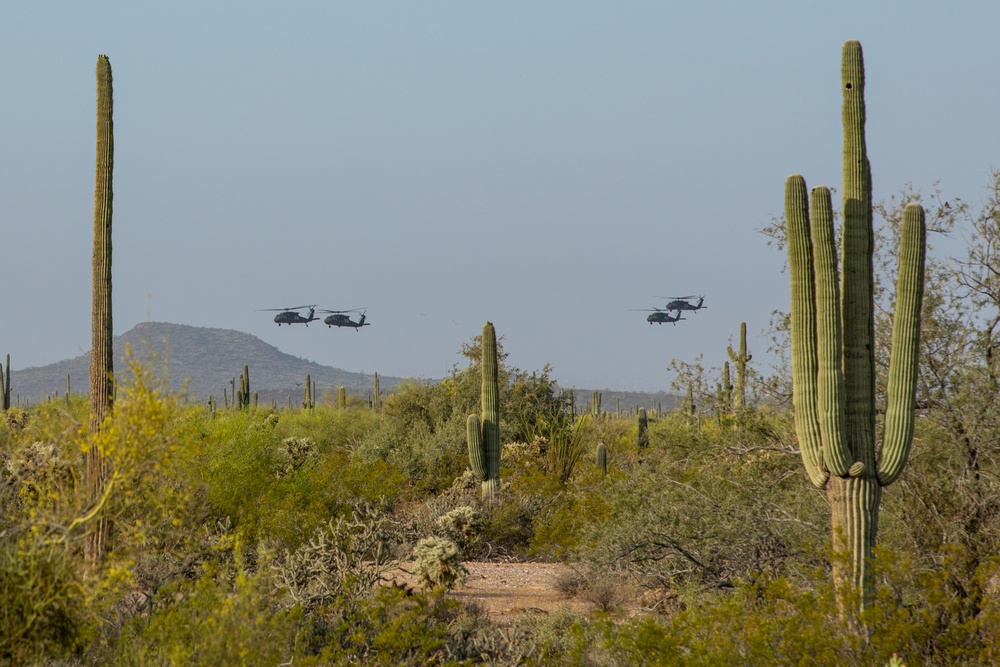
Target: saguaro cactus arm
point(837, 458)
point(803, 329)
point(901, 390)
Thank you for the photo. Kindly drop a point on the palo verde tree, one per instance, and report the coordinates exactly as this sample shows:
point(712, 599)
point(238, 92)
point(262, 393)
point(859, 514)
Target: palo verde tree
point(102, 354)
point(832, 331)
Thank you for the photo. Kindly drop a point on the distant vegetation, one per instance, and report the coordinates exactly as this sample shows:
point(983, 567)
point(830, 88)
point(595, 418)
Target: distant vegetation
point(259, 536)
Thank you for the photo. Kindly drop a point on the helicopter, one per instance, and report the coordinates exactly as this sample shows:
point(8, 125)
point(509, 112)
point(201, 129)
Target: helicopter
point(292, 316)
point(660, 316)
point(679, 303)
point(340, 318)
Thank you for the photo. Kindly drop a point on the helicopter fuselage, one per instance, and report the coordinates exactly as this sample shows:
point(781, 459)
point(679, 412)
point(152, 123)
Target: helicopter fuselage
point(292, 317)
point(344, 321)
point(661, 316)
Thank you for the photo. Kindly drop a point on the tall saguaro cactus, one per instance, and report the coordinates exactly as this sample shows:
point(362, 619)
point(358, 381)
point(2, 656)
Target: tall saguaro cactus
point(740, 359)
point(832, 325)
point(102, 353)
point(643, 437)
point(309, 394)
point(5, 386)
point(483, 432)
point(243, 393)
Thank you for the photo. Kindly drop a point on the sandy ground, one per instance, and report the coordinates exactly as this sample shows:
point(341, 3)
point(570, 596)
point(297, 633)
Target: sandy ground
point(507, 589)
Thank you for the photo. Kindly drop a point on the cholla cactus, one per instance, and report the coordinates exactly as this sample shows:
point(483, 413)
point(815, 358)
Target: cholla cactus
point(438, 563)
point(461, 525)
point(349, 556)
point(292, 454)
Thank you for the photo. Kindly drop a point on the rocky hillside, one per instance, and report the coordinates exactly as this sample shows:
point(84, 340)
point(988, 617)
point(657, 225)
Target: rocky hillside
point(203, 360)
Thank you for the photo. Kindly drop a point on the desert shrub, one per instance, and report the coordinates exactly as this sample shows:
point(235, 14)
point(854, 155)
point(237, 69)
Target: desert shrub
point(438, 562)
point(292, 454)
point(239, 468)
point(707, 510)
point(430, 459)
point(508, 521)
point(347, 557)
point(38, 476)
point(43, 610)
point(394, 627)
point(563, 525)
point(210, 621)
point(330, 428)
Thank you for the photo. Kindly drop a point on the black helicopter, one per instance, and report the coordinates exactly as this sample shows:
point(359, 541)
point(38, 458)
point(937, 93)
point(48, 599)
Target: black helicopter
point(658, 316)
point(340, 318)
point(679, 303)
point(292, 316)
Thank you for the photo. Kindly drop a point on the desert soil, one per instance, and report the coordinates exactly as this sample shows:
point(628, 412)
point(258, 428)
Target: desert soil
point(508, 589)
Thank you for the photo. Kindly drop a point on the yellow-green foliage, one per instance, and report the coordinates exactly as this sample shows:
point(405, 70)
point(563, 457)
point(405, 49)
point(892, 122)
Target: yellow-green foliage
point(212, 622)
point(713, 519)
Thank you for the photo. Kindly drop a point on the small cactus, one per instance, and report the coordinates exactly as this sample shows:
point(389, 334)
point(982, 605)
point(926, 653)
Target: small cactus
point(438, 563)
point(602, 457)
point(643, 429)
point(342, 398)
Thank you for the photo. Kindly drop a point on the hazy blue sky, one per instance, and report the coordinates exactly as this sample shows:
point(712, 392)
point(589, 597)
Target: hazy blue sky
point(544, 165)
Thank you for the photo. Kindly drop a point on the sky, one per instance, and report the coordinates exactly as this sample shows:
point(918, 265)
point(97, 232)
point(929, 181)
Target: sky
point(547, 166)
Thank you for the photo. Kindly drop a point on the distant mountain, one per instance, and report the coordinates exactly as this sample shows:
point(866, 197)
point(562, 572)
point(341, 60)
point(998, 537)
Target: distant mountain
point(203, 360)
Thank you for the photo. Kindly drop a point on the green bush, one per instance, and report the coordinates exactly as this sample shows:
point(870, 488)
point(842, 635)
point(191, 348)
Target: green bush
point(43, 605)
point(211, 621)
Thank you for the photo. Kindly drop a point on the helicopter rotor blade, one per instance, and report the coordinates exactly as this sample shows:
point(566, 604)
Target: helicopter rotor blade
point(286, 309)
point(352, 310)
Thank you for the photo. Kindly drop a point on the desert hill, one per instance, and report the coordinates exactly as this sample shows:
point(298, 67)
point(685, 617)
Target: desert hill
point(203, 360)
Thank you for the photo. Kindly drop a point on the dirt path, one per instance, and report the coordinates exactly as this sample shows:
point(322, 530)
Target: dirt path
point(508, 589)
